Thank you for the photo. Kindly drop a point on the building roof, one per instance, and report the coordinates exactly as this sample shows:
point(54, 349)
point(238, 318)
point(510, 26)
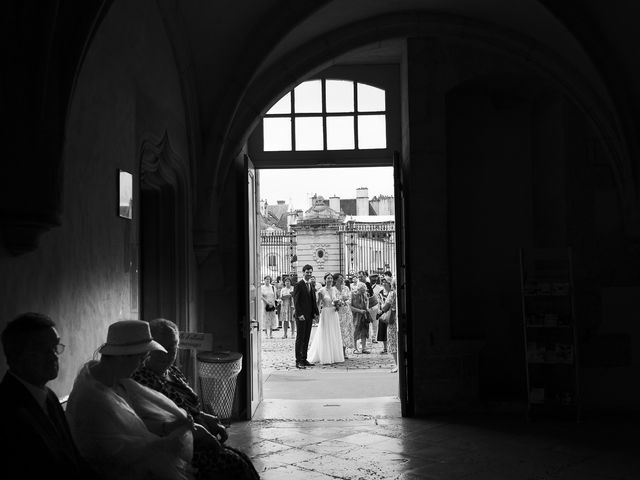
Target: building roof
point(348, 206)
point(369, 218)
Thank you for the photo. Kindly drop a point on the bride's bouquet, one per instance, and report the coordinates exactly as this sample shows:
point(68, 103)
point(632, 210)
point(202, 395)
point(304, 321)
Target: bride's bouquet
point(337, 303)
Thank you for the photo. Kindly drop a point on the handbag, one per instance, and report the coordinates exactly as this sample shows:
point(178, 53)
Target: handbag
point(270, 308)
point(392, 317)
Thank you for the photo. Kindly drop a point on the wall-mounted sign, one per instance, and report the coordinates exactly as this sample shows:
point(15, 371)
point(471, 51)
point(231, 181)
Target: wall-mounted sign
point(196, 340)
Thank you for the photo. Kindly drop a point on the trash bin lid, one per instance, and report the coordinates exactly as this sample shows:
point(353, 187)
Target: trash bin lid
point(221, 356)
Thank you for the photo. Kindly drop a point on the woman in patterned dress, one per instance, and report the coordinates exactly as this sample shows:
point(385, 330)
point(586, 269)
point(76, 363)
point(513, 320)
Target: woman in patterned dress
point(359, 308)
point(390, 303)
point(346, 317)
point(286, 308)
point(160, 373)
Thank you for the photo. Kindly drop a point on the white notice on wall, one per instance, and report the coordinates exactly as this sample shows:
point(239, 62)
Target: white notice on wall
point(196, 340)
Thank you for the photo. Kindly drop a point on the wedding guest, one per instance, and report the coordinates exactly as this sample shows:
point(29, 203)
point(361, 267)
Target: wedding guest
point(37, 440)
point(212, 459)
point(360, 317)
point(278, 287)
point(126, 430)
point(286, 308)
point(269, 316)
point(382, 326)
point(346, 317)
point(390, 305)
point(374, 305)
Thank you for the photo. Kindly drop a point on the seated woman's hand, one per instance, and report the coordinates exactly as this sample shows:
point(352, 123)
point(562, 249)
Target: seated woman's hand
point(202, 435)
point(220, 432)
point(214, 426)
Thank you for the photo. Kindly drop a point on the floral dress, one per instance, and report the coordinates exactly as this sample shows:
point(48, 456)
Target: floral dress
point(392, 330)
point(360, 323)
point(229, 462)
point(346, 317)
point(286, 307)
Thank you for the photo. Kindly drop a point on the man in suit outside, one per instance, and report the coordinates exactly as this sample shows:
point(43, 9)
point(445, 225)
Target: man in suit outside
point(306, 309)
point(38, 443)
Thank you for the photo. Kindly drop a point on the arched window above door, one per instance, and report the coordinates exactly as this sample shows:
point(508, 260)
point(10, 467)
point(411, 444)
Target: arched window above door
point(327, 114)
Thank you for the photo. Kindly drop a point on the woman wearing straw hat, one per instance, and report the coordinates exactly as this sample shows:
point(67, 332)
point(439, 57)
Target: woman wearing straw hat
point(126, 430)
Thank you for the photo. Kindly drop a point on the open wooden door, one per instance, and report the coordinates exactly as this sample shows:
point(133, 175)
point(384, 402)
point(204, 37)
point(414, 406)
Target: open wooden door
point(253, 348)
point(404, 321)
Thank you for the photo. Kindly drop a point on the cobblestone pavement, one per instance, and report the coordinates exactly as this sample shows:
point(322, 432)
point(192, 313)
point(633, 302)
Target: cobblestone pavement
point(278, 355)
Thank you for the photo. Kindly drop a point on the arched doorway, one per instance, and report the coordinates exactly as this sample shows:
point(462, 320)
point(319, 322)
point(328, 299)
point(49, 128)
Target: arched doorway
point(164, 234)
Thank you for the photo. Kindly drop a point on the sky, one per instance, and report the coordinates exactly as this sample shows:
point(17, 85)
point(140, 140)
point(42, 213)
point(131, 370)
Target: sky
point(295, 186)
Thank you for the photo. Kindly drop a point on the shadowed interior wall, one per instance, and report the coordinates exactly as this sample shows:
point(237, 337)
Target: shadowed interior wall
point(81, 274)
point(489, 192)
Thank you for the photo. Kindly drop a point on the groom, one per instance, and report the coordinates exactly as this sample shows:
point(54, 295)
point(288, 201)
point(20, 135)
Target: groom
point(306, 307)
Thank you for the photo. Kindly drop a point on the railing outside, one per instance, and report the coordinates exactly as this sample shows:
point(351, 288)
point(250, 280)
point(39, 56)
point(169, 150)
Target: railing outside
point(364, 246)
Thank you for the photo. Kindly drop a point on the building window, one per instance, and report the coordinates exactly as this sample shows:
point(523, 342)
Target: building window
point(272, 261)
point(326, 114)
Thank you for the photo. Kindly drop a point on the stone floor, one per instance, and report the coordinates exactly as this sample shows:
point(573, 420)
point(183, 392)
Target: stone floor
point(365, 437)
point(473, 447)
point(278, 355)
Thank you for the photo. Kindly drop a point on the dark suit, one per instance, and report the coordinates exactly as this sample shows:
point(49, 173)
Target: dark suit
point(304, 301)
point(37, 445)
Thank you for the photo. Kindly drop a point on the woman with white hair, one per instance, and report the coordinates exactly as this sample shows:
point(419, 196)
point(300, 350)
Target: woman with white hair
point(361, 317)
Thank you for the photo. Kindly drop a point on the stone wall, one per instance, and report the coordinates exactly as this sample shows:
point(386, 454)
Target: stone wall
point(84, 271)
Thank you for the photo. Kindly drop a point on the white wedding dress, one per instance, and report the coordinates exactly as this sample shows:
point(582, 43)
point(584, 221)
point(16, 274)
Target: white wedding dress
point(326, 346)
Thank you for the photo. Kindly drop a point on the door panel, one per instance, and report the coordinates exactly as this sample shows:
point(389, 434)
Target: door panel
point(404, 322)
point(254, 348)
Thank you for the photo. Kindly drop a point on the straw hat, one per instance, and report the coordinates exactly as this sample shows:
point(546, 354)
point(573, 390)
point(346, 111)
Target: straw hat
point(129, 337)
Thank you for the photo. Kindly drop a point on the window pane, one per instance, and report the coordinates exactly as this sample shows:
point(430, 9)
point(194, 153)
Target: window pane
point(340, 133)
point(339, 96)
point(282, 106)
point(277, 134)
point(370, 99)
point(309, 133)
point(372, 131)
point(308, 97)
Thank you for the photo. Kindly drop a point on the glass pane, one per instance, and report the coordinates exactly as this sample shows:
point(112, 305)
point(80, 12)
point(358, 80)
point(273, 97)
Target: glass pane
point(339, 96)
point(372, 131)
point(277, 134)
point(282, 106)
point(309, 133)
point(340, 133)
point(370, 99)
point(308, 97)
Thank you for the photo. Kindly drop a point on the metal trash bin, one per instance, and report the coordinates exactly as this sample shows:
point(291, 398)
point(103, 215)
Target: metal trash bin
point(217, 373)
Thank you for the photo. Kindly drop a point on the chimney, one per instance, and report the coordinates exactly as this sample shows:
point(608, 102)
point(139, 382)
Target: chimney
point(334, 203)
point(292, 218)
point(362, 201)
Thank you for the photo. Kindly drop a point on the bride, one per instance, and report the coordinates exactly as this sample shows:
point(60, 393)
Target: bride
point(326, 346)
